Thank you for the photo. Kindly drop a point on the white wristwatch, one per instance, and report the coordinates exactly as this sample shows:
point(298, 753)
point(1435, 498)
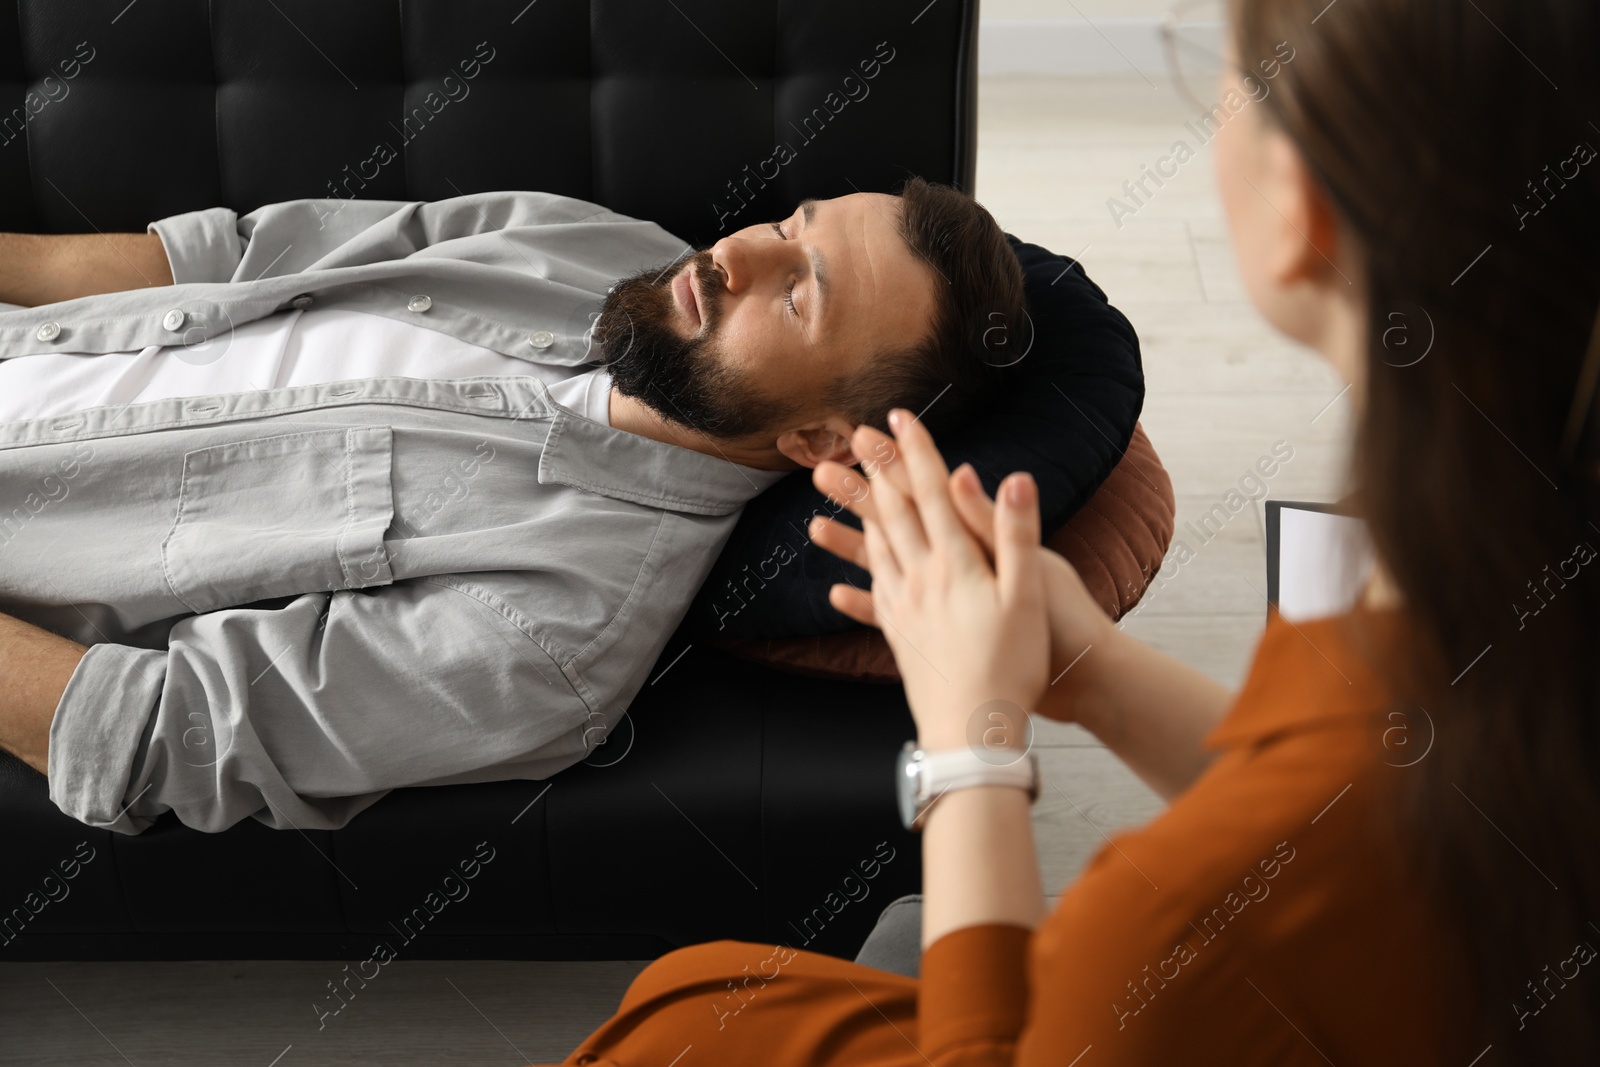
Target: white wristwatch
point(923, 777)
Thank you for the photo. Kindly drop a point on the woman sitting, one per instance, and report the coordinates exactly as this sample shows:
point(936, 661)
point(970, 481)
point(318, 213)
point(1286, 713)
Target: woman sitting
point(1308, 898)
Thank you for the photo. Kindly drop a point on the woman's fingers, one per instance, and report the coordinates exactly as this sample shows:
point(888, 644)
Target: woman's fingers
point(878, 453)
point(846, 486)
point(973, 505)
point(861, 493)
point(881, 560)
point(852, 488)
point(1016, 536)
point(930, 488)
point(896, 513)
point(853, 602)
point(843, 541)
point(886, 461)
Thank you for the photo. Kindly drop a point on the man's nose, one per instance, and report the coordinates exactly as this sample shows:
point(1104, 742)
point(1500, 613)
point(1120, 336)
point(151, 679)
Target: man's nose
point(744, 261)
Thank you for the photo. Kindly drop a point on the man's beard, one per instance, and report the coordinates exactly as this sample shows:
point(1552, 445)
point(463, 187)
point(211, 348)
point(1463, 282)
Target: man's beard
point(684, 381)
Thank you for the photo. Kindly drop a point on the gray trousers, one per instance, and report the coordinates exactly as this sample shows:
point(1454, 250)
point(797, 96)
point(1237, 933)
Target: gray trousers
point(895, 944)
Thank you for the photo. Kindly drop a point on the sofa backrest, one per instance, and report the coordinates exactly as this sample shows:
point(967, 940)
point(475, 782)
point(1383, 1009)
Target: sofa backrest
point(703, 115)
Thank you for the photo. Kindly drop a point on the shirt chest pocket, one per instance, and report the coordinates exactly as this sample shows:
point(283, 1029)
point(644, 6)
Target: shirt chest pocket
point(279, 516)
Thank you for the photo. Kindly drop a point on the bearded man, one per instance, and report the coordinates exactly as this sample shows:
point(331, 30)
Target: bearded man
point(307, 505)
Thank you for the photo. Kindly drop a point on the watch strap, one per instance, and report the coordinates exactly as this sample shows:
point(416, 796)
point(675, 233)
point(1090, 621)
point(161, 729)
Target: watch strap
point(963, 768)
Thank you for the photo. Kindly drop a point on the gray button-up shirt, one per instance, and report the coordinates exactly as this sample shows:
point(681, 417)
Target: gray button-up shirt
point(297, 599)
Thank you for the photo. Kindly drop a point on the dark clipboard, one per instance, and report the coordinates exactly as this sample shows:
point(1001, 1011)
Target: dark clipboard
point(1275, 533)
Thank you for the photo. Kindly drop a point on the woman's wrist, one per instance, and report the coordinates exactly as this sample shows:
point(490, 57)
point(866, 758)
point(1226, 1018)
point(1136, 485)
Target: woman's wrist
point(986, 723)
point(1087, 676)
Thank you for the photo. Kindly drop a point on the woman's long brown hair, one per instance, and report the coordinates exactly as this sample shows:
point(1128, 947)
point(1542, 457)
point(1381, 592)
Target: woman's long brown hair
point(1457, 141)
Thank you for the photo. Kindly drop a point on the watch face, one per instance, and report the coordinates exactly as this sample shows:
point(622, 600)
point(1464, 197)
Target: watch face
point(906, 784)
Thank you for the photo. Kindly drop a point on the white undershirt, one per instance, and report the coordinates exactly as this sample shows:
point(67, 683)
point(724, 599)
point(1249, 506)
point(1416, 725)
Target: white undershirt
point(289, 348)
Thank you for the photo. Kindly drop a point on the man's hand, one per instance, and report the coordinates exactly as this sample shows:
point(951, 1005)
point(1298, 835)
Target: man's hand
point(45, 268)
point(36, 666)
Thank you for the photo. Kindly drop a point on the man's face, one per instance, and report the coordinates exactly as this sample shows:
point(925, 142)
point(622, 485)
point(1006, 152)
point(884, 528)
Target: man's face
point(738, 338)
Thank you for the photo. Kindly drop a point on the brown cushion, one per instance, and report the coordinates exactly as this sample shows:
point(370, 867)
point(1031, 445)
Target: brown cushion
point(1116, 541)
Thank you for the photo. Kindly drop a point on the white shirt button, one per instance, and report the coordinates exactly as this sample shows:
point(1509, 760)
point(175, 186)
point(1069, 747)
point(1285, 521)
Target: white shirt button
point(174, 319)
point(49, 331)
point(541, 339)
point(302, 301)
point(419, 304)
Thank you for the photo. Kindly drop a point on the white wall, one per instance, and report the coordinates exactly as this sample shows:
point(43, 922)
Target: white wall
point(1084, 38)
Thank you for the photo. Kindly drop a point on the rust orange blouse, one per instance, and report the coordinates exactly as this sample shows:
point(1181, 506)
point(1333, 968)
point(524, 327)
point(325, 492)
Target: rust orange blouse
point(1262, 919)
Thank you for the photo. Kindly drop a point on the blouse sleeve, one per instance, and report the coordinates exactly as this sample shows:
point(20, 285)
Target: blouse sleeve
point(974, 995)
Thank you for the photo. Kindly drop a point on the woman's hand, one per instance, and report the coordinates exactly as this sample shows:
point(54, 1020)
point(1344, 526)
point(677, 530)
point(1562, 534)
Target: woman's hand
point(1148, 708)
point(964, 633)
point(1077, 623)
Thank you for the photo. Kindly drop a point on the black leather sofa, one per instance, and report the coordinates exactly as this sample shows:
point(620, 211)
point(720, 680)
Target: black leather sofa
point(734, 801)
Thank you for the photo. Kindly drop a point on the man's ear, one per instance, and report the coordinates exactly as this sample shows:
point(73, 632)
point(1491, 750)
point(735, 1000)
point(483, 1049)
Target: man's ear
point(811, 445)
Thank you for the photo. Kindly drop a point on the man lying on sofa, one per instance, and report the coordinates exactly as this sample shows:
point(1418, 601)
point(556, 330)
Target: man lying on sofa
point(300, 507)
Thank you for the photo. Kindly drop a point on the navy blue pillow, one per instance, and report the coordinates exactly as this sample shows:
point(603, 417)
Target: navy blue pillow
point(1065, 415)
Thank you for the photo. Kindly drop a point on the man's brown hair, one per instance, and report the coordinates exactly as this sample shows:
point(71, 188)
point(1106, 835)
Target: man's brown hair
point(980, 323)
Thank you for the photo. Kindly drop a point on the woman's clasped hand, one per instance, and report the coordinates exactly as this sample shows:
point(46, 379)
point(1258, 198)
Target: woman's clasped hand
point(974, 608)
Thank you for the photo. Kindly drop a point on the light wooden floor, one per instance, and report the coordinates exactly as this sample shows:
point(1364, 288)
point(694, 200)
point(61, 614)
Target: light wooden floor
point(1222, 390)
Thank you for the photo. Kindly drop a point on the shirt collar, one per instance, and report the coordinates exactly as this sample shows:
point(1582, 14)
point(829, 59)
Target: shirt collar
point(1306, 674)
point(602, 459)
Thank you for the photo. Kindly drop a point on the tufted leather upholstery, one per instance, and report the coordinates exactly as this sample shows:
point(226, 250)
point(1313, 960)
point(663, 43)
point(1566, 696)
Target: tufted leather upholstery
point(746, 802)
point(113, 114)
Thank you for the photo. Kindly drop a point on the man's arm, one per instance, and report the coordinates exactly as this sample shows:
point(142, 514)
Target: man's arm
point(309, 711)
point(36, 666)
point(44, 268)
point(216, 246)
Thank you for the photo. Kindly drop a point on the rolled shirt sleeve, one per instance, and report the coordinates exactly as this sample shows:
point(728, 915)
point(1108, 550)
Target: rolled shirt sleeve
point(201, 246)
point(95, 737)
point(305, 714)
